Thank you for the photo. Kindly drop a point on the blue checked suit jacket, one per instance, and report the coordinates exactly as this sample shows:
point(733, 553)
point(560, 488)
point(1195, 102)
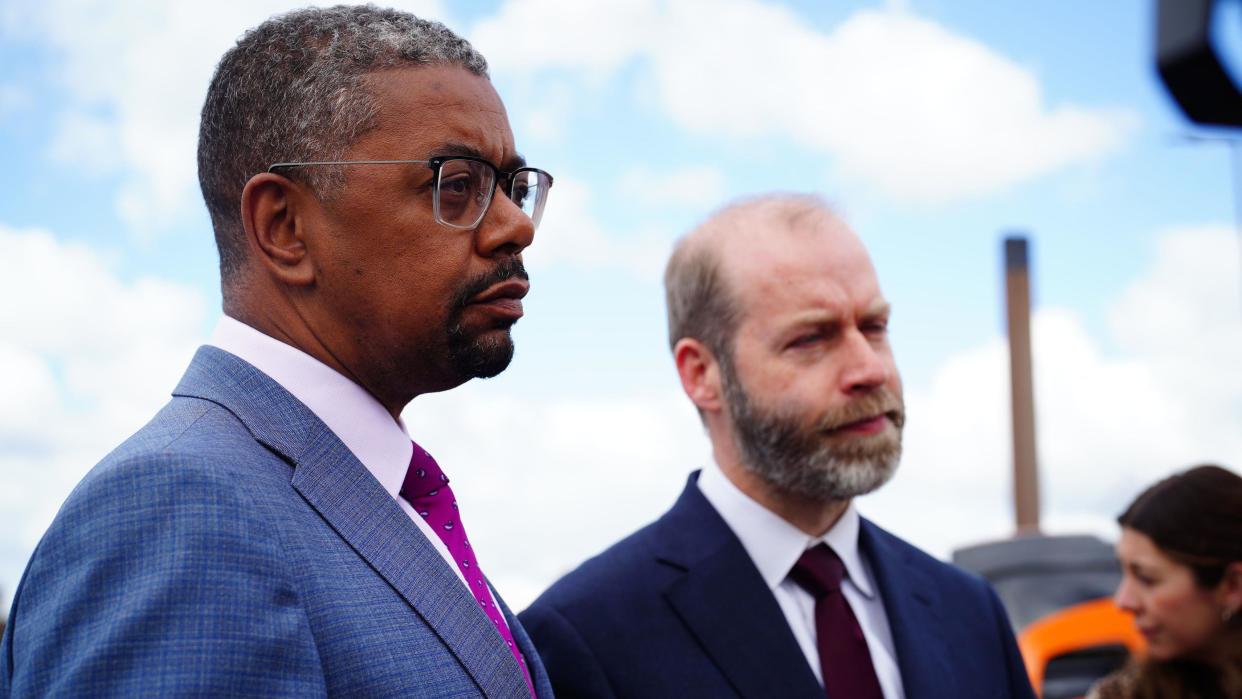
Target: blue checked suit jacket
point(235, 547)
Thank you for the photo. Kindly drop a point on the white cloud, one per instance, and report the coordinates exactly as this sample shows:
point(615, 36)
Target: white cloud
point(1107, 425)
point(136, 74)
point(593, 38)
point(570, 234)
point(930, 115)
point(72, 305)
point(1187, 314)
point(900, 102)
point(1101, 423)
point(694, 188)
point(85, 359)
point(30, 387)
point(545, 482)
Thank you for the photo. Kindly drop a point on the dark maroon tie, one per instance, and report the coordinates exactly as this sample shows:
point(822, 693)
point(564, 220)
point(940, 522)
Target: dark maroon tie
point(844, 657)
point(427, 490)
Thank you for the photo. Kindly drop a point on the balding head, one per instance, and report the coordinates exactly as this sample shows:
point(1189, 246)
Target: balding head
point(780, 336)
point(714, 265)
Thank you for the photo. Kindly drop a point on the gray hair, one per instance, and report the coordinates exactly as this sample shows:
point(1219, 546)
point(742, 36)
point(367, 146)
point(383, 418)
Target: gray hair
point(699, 302)
point(292, 90)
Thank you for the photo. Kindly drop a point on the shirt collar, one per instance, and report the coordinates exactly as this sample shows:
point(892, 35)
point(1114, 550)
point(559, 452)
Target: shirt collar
point(774, 544)
point(354, 415)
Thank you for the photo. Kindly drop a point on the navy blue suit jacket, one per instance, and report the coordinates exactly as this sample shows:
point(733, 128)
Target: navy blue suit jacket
point(679, 610)
point(235, 547)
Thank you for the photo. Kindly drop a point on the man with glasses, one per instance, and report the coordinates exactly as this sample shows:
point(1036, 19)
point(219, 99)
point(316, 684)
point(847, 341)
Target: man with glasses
point(274, 531)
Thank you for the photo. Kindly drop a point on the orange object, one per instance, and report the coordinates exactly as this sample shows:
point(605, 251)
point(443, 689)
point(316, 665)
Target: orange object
point(1098, 623)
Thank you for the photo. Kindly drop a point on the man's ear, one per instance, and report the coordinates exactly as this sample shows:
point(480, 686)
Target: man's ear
point(274, 214)
point(700, 374)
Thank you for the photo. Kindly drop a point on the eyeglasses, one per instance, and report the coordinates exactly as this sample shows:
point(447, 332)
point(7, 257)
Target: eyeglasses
point(464, 186)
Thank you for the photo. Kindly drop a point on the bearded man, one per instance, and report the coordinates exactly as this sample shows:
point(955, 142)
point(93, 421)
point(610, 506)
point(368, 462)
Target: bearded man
point(763, 580)
point(274, 531)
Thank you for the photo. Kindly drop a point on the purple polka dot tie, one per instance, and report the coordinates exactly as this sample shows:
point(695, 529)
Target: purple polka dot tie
point(427, 490)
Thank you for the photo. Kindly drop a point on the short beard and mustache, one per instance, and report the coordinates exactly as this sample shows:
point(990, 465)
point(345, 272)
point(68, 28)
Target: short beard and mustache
point(796, 458)
point(477, 356)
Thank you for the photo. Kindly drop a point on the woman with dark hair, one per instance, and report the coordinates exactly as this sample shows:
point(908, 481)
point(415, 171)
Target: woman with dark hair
point(1181, 559)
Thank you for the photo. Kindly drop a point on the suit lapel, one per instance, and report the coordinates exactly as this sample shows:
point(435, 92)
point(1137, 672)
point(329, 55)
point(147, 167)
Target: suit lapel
point(912, 605)
point(355, 505)
point(361, 511)
point(726, 605)
point(538, 674)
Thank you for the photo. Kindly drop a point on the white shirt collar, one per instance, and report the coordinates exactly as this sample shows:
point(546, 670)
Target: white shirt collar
point(354, 416)
point(776, 545)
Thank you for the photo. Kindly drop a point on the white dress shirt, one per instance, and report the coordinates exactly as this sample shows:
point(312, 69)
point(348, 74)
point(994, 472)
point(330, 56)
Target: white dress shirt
point(366, 428)
point(776, 545)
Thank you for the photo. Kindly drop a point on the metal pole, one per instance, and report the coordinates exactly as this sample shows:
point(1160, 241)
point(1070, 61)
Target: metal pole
point(1018, 305)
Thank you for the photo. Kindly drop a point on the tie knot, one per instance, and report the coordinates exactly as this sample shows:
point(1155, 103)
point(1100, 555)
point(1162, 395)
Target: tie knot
point(424, 475)
point(819, 571)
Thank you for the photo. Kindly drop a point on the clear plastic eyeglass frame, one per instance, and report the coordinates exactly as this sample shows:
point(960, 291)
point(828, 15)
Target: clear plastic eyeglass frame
point(482, 178)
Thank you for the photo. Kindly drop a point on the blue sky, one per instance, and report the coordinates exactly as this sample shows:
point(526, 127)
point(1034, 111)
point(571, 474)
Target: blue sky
point(935, 127)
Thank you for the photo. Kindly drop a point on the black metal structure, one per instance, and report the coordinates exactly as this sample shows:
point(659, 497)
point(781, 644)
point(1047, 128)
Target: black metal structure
point(1190, 66)
point(1039, 575)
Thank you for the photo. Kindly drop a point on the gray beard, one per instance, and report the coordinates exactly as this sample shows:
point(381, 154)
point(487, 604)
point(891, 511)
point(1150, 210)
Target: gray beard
point(797, 459)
